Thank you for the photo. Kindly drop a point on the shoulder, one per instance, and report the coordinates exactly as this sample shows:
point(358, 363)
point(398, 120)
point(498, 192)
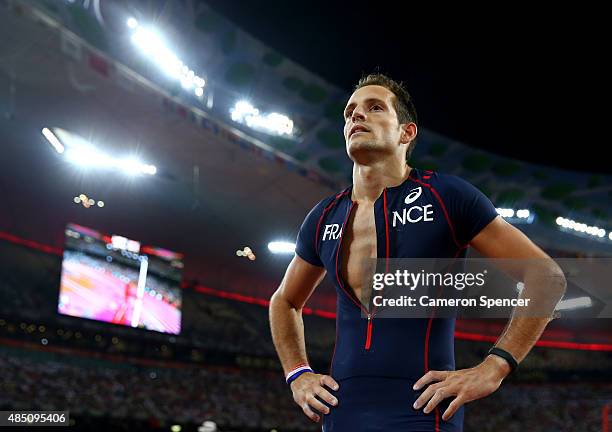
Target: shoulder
point(449, 184)
point(326, 203)
point(330, 200)
point(440, 179)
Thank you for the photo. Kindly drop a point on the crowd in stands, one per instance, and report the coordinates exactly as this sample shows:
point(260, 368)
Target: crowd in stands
point(244, 399)
point(233, 398)
point(540, 408)
point(223, 366)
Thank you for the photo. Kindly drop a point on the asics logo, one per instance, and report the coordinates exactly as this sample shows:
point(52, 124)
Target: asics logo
point(416, 213)
point(413, 195)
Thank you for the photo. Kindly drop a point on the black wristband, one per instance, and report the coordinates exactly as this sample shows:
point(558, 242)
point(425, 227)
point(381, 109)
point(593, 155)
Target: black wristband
point(506, 356)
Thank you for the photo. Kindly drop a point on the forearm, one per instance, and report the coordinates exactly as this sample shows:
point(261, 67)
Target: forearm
point(287, 328)
point(544, 289)
point(520, 335)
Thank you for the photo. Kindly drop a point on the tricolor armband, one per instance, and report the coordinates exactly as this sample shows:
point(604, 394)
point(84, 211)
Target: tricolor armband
point(297, 371)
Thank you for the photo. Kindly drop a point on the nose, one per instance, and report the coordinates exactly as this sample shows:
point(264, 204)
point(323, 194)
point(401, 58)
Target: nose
point(358, 114)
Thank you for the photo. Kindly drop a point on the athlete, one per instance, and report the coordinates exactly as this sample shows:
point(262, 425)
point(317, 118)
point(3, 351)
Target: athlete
point(395, 374)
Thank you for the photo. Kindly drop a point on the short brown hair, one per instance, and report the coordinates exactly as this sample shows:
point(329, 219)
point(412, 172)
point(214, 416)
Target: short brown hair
point(404, 107)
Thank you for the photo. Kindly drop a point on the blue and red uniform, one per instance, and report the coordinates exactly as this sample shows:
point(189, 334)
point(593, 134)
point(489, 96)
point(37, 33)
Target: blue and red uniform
point(376, 362)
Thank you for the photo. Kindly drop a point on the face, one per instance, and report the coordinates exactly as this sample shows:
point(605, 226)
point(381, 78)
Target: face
point(371, 124)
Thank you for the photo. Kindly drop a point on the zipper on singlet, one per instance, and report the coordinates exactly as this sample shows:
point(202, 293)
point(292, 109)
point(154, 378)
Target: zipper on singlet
point(351, 295)
point(368, 341)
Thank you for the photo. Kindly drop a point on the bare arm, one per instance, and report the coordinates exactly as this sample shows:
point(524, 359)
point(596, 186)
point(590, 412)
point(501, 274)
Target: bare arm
point(301, 279)
point(287, 325)
point(544, 285)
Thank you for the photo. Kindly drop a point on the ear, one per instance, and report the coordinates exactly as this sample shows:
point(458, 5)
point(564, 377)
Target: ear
point(409, 132)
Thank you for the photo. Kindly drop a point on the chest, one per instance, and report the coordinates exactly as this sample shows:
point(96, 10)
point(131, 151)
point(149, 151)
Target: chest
point(360, 234)
point(359, 248)
point(353, 232)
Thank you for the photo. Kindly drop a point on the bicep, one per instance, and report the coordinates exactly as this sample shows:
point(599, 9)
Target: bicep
point(299, 282)
point(501, 240)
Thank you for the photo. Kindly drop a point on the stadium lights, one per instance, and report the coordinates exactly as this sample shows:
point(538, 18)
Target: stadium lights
point(246, 252)
point(82, 153)
point(280, 247)
point(152, 45)
point(275, 123)
point(574, 303)
point(132, 23)
point(516, 216)
point(578, 227)
point(208, 426)
point(505, 213)
point(55, 143)
point(142, 278)
point(523, 213)
point(86, 201)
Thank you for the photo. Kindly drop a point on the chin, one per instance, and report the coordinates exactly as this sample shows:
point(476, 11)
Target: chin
point(358, 149)
point(363, 144)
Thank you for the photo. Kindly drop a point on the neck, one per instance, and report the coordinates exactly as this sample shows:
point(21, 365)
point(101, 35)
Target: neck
point(370, 180)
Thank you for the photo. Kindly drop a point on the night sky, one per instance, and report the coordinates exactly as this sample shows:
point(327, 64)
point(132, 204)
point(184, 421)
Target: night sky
point(522, 83)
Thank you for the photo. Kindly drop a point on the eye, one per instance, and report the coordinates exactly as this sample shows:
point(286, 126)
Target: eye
point(376, 108)
point(348, 114)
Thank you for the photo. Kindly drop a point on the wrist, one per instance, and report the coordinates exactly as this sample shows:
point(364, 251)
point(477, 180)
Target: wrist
point(297, 371)
point(507, 357)
point(499, 367)
point(299, 378)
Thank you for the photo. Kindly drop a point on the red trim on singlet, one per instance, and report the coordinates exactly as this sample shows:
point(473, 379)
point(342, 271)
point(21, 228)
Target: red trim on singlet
point(387, 253)
point(465, 246)
point(426, 355)
point(338, 278)
point(331, 365)
point(368, 341)
point(460, 248)
point(426, 350)
point(386, 230)
point(448, 219)
point(430, 322)
point(325, 210)
point(450, 222)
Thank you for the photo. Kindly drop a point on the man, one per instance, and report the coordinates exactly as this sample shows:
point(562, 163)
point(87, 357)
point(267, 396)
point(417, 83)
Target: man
point(396, 374)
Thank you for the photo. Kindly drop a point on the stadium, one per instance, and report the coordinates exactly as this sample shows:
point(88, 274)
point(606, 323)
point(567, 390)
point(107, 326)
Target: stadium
point(158, 161)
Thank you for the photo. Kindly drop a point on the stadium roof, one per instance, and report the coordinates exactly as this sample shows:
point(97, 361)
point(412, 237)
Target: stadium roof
point(517, 82)
point(241, 193)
